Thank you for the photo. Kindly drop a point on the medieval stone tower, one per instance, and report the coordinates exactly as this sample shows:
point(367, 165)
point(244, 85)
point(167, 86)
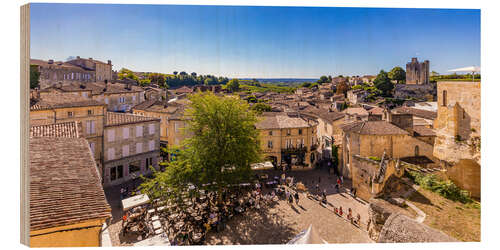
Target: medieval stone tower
point(417, 73)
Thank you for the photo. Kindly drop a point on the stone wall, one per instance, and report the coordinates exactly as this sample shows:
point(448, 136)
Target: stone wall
point(419, 92)
point(458, 125)
point(466, 174)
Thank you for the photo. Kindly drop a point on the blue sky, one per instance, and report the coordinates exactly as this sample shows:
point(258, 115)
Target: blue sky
point(264, 42)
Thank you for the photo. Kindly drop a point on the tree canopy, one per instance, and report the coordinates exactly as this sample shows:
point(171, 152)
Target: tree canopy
point(261, 107)
point(342, 88)
point(223, 143)
point(397, 74)
point(34, 76)
point(383, 83)
point(233, 85)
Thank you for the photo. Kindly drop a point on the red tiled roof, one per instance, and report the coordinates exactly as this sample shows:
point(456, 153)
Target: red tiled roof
point(65, 187)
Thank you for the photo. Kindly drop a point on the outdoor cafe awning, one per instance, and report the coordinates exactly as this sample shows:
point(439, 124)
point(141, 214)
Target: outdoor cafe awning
point(134, 201)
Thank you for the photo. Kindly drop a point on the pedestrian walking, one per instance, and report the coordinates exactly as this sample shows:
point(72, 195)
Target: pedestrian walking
point(337, 188)
point(297, 198)
point(290, 199)
point(317, 189)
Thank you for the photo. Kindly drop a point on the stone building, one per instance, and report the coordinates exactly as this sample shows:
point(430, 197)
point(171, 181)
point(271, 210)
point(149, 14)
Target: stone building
point(68, 207)
point(118, 97)
point(54, 108)
point(417, 72)
point(103, 71)
point(394, 139)
point(131, 147)
point(288, 138)
point(81, 71)
point(356, 96)
point(458, 131)
point(172, 118)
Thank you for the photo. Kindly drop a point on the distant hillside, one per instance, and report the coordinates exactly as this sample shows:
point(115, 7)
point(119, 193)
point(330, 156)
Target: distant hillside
point(287, 81)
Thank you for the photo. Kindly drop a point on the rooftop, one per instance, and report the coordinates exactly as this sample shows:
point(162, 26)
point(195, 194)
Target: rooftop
point(65, 129)
point(426, 114)
point(62, 100)
point(374, 128)
point(115, 119)
point(65, 187)
point(281, 120)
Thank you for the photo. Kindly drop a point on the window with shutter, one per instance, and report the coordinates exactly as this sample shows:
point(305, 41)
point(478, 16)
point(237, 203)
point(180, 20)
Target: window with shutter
point(125, 133)
point(111, 135)
point(125, 150)
point(151, 145)
point(151, 129)
point(88, 125)
point(138, 147)
point(138, 131)
point(111, 153)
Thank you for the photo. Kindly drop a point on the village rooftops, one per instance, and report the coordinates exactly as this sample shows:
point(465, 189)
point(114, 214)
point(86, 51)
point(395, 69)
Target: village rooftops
point(374, 128)
point(117, 119)
point(65, 186)
point(65, 129)
point(283, 120)
point(357, 111)
point(62, 100)
point(52, 64)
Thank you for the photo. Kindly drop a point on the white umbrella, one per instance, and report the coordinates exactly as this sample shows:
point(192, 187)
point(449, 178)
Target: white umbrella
point(307, 236)
point(472, 69)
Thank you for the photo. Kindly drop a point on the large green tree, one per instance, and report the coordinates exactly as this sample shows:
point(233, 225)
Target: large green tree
point(223, 143)
point(233, 85)
point(397, 74)
point(34, 76)
point(383, 83)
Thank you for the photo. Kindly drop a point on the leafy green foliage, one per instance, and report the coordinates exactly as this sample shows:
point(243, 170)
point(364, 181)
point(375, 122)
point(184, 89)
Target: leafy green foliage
point(397, 74)
point(447, 189)
point(323, 79)
point(375, 158)
point(223, 144)
point(34, 76)
point(261, 107)
point(335, 156)
point(233, 85)
point(383, 83)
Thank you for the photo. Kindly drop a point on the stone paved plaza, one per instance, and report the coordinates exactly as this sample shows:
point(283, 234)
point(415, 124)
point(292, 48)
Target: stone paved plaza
point(279, 223)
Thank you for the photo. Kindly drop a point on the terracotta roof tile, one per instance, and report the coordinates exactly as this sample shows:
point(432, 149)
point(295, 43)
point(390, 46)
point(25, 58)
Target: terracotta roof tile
point(65, 129)
point(62, 100)
point(114, 119)
point(281, 120)
point(65, 187)
point(374, 128)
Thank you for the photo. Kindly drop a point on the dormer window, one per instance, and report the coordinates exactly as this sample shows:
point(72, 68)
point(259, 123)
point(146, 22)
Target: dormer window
point(288, 132)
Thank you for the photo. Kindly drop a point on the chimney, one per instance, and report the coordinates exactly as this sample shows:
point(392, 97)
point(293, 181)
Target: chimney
point(109, 62)
point(90, 58)
point(77, 57)
point(51, 61)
